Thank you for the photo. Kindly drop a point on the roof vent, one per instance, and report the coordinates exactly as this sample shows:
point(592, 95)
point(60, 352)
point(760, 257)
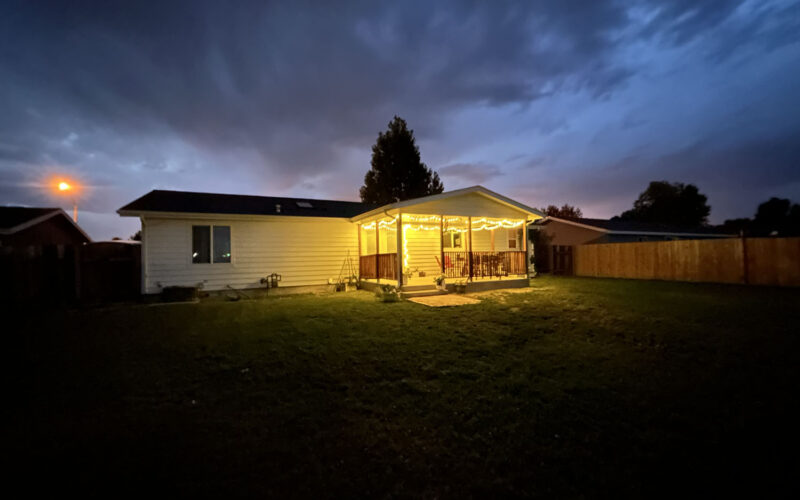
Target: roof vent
point(278, 207)
point(304, 204)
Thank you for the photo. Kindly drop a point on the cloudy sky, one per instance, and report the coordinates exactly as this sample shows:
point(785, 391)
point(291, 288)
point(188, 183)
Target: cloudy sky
point(582, 102)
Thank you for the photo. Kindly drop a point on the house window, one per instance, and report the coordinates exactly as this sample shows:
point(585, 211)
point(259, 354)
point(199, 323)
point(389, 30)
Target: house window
point(222, 243)
point(206, 238)
point(452, 239)
point(514, 238)
point(201, 244)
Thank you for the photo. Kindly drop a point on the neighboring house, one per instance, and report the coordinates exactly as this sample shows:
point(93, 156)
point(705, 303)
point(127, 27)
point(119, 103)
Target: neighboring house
point(570, 231)
point(27, 226)
point(218, 240)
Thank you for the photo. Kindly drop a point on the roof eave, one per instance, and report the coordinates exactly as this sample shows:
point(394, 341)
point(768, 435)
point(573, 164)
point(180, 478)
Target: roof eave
point(220, 215)
point(449, 194)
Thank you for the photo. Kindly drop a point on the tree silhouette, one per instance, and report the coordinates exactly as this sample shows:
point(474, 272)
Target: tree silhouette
point(397, 171)
point(774, 217)
point(564, 211)
point(675, 204)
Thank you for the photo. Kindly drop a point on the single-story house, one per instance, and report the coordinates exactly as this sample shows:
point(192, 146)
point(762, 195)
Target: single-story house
point(218, 241)
point(29, 226)
point(569, 231)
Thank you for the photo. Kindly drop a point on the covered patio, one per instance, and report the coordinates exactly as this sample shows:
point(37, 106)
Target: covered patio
point(477, 237)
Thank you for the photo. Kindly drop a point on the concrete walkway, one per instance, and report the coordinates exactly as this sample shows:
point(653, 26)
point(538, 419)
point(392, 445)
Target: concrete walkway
point(445, 300)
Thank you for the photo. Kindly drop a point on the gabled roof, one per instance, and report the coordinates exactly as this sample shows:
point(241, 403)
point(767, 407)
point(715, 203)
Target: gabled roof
point(211, 203)
point(11, 217)
point(16, 219)
point(450, 194)
point(620, 226)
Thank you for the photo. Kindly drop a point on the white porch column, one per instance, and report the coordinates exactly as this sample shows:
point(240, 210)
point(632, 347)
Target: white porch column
point(527, 249)
point(400, 236)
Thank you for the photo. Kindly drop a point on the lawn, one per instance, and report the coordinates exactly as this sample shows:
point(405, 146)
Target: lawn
point(574, 388)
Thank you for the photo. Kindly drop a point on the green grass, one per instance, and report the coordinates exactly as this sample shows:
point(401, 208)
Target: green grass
point(580, 387)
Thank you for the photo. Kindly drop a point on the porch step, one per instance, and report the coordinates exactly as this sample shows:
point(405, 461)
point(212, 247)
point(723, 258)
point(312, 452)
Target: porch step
point(408, 292)
point(417, 288)
point(422, 293)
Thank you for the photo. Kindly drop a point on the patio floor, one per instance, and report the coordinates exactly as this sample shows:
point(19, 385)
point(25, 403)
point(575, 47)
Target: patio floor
point(444, 300)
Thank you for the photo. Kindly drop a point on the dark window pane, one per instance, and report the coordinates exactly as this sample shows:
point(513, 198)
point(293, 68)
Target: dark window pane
point(201, 244)
point(222, 243)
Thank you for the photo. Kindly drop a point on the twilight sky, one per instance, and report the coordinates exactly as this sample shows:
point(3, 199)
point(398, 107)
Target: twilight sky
point(582, 102)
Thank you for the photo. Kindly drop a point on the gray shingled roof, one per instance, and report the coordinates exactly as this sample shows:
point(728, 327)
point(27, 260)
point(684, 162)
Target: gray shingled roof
point(211, 203)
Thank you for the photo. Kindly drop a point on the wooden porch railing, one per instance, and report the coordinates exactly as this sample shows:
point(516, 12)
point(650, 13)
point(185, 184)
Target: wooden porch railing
point(483, 264)
point(382, 265)
point(368, 267)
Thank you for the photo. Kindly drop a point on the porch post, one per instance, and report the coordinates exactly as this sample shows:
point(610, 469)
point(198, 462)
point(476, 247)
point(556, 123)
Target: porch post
point(527, 255)
point(377, 251)
point(469, 226)
point(358, 228)
point(441, 242)
point(399, 250)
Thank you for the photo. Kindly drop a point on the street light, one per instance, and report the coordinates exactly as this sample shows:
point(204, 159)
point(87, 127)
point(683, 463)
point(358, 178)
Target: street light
point(65, 187)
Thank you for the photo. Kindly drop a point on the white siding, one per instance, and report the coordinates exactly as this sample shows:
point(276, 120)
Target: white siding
point(471, 204)
point(303, 250)
point(423, 250)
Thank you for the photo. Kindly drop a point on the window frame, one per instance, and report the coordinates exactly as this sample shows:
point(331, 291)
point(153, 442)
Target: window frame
point(515, 236)
point(210, 227)
point(450, 238)
point(213, 244)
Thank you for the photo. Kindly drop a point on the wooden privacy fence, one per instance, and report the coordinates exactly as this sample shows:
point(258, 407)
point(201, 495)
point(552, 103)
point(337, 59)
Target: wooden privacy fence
point(65, 273)
point(756, 261)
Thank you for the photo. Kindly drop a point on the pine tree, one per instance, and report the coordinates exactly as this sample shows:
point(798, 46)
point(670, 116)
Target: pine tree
point(397, 171)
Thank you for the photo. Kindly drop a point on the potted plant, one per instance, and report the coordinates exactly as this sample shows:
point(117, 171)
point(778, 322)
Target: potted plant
point(387, 293)
point(352, 284)
point(460, 286)
point(439, 280)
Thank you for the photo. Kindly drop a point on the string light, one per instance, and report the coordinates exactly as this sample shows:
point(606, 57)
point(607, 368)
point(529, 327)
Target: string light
point(420, 227)
point(481, 224)
point(381, 225)
point(405, 247)
point(421, 218)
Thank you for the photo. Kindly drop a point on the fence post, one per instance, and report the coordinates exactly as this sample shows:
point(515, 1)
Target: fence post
point(77, 270)
point(745, 266)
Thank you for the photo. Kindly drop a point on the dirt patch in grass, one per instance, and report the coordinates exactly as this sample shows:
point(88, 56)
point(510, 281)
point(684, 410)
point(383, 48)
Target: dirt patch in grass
point(449, 300)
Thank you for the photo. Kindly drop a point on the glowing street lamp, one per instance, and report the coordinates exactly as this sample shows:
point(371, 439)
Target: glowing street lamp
point(64, 187)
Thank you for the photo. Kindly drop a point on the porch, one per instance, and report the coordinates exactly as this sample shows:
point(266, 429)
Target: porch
point(462, 248)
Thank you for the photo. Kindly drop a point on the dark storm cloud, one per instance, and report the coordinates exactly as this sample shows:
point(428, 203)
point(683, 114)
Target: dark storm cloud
point(258, 76)
point(469, 173)
point(257, 96)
